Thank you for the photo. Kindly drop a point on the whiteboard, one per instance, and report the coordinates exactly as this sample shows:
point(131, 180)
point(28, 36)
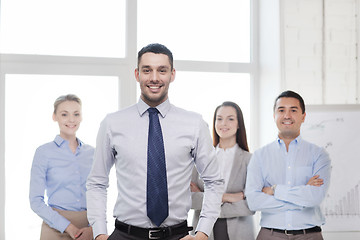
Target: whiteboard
point(337, 129)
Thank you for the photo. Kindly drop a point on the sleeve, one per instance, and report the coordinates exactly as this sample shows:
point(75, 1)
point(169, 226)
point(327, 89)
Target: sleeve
point(98, 181)
point(236, 209)
point(306, 195)
point(37, 191)
point(228, 210)
point(257, 200)
point(240, 208)
point(208, 169)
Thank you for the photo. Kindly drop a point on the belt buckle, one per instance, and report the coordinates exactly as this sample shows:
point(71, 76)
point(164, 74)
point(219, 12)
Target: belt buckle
point(151, 231)
point(288, 234)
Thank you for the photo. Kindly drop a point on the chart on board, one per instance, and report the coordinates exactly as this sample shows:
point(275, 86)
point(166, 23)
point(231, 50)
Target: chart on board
point(337, 129)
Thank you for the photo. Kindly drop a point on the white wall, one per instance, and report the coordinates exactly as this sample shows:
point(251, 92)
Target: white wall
point(2, 155)
point(320, 49)
point(308, 46)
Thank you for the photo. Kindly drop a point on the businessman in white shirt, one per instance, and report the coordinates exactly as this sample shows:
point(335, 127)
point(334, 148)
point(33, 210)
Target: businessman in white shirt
point(123, 140)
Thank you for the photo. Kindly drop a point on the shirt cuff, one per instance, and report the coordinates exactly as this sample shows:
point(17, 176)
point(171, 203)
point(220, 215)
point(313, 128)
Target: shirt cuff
point(62, 225)
point(99, 228)
point(205, 226)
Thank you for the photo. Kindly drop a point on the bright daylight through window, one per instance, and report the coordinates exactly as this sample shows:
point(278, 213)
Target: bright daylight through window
point(50, 48)
point(86, 28)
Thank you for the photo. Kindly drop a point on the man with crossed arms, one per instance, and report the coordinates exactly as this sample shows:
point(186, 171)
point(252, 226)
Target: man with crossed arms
point(288, 178)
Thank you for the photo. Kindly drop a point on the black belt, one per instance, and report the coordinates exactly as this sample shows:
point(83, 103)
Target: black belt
point(296, 232)
point(153, 233)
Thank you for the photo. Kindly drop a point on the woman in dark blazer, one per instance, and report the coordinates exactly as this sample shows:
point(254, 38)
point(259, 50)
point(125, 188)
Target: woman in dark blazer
point(229, 138)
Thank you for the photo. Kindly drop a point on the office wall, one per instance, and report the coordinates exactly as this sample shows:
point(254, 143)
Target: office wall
point(320, 49)
point(309, 46)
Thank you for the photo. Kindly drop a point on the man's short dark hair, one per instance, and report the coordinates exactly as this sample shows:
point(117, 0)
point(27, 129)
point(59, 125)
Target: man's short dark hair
point(291, 94)
point(156, 48)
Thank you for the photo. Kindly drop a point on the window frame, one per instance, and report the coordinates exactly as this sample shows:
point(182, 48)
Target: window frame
point(122, 68)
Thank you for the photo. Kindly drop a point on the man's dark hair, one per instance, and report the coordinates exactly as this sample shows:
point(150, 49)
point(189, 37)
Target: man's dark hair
point(156, 48)
point(291, 94)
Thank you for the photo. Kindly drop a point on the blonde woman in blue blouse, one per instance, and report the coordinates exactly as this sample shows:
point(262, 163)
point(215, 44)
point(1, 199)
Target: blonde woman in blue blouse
point(229, 138)
point(60, 168)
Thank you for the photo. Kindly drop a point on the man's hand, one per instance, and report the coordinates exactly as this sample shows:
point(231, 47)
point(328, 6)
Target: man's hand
point(102, 237)
point(194, 187)
point(84, 234)
point(268, 190)
point(232, 197)
point(198, 236)
point(315, 181)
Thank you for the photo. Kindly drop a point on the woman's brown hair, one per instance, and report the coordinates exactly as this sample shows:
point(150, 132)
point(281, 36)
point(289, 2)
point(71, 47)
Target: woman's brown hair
point(241, 131)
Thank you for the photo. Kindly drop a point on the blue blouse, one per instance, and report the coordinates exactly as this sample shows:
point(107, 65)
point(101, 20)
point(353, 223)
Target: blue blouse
point(62, 174)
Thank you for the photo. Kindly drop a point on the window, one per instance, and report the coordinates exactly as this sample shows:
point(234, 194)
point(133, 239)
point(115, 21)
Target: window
point(93, 45)
point(203, 92)
point(93, 28)
point(200, 30)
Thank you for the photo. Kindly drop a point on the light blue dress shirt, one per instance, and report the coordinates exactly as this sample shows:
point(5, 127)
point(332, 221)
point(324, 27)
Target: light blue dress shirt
point(122, 140)
point(62, 174)
point(295, 205)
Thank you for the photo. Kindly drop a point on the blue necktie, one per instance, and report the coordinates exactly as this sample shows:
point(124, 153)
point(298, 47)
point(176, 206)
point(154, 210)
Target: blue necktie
point(157, 192)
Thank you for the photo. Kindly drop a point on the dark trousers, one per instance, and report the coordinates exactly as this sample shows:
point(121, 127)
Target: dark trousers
point(266, 234)
point(118, 235)
point(220, 229)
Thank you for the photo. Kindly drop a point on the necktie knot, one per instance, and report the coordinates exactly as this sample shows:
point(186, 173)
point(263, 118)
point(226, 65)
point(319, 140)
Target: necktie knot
point(153, 110)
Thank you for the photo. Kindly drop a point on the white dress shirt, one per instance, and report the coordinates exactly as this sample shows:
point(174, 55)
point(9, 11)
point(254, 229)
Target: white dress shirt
point(226, 160)
point(122, 140)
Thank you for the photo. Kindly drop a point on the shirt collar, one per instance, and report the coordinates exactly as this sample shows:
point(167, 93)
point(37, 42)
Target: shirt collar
point(296, 141)
point(228, 150)
point(163, 108)
point(59, 141)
